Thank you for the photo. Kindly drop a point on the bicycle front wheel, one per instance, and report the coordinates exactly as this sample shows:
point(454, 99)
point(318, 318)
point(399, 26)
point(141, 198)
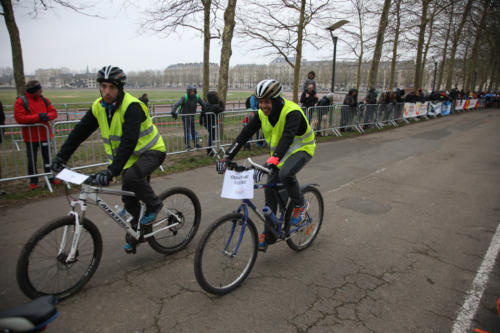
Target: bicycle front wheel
point(43, 268)
point(226, 254)
point(182, 211)
point(303, 237)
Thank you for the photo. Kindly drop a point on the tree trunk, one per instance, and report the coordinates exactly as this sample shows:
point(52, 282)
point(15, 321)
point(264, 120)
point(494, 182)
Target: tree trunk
point(361, 52)
point(464, 69)
point(475, 47)
point(456, 39)
point(15, 43)
point(298, 56)
point(445, 49)
point(225, 54)
point(372, 75)
point(206, 47)
point(395, 45)
point(417, 82)
point(427, 44)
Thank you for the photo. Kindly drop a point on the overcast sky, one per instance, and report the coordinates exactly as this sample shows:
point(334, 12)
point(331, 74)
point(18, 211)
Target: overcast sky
point(63, 38)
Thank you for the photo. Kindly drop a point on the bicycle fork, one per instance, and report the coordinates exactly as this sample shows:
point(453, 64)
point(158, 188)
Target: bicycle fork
point(243, 223)
point(74, 243)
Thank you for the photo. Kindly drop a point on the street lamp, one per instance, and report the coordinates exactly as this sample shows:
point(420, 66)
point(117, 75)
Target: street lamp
point(334, 39)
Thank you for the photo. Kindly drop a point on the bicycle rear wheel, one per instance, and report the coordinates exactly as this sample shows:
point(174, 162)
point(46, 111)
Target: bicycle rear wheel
point(226, 254)
point(42, 268)
point(182, 207)
point(304, 237)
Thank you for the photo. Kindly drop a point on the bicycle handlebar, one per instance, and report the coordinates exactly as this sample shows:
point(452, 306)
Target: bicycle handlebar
point(239, 168)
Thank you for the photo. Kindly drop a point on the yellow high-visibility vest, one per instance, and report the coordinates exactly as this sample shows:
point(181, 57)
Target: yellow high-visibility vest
point(149, 137)
point(272, 135)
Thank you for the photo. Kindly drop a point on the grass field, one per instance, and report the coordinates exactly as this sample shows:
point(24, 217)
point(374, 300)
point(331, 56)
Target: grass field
point(85, 97)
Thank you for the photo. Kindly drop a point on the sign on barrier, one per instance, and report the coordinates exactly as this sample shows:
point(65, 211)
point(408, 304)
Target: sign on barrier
point(445, 108)
point(434, 109)
point(421, 109)
point(473, 103)
point(409, 110)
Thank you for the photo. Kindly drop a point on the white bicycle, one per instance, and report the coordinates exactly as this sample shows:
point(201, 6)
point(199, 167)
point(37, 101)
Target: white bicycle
point(61, 257)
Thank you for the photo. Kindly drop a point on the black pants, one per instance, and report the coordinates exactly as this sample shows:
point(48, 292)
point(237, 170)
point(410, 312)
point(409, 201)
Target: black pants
point(32, 152)
point(189, 129)
point(211, 124)
point(136, 179)
point(286, 175)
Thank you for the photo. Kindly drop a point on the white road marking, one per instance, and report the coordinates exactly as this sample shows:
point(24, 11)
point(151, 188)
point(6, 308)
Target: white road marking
point(473, 297)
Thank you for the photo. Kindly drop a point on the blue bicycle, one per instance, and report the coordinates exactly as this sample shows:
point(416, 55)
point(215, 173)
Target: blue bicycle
point(228, 249)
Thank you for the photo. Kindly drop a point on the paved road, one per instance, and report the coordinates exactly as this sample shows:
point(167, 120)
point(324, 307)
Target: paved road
point(410, 214)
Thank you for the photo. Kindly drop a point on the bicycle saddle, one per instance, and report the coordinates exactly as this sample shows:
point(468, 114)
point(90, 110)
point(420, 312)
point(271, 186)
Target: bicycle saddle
point(30, 316)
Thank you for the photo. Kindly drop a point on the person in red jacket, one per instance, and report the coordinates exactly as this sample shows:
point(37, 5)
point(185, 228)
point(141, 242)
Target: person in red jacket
point(33, 108)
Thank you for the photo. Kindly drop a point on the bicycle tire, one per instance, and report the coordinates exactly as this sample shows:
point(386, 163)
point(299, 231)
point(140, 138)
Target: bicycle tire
point(184, 202)
point(216, 271)
point(304, 237)
point(40, 254)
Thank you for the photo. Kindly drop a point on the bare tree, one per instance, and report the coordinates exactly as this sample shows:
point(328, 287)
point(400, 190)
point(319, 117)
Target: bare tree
point(226, 51)
point(377, 53)
point(417, 83)
point(395, 44)
point(15, 43)
point(283, 28)
point(169, 16)
point(472, 64)
point(15, 39)
point(358, 45)
point(456, 39)
point(442, 65)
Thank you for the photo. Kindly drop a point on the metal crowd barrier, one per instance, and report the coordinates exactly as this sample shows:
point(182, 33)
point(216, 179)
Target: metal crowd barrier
point(187, 133)
point(16, 150)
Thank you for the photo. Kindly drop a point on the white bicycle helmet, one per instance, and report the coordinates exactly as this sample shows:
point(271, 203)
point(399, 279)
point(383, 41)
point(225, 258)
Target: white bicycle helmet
point(268, 89)
point(112, 74)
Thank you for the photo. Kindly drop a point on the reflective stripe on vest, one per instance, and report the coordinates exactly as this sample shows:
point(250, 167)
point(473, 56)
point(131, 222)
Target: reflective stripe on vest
point(272, 135)
point(149, 136)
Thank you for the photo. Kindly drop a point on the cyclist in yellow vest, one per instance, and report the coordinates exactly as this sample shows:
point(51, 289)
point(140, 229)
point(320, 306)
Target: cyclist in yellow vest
point(132, 143)
point(291, 141)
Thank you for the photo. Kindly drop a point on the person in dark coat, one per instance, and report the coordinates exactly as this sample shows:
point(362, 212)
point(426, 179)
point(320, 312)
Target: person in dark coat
point(186, 106)
point(310, 80)
point(144, 98)
point(308, 99)
point(208, 117)
point(349, 108)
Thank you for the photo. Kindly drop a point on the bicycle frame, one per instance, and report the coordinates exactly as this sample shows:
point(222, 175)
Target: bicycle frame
point(243, 208)
point(89, 192)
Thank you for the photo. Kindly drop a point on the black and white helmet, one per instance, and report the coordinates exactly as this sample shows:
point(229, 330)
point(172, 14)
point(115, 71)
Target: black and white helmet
point(112, 74)
point(268, 89)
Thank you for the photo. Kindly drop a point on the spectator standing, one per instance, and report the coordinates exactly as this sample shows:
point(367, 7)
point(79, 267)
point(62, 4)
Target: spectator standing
point(144, 98)
point(310, 80)
point(33, 108)
point(186, 106)
point(325, 101)
point(370, 107)
point(383, 100)
point(252, 103)
point(348, 109)
point(308, 99)
point(208, 117)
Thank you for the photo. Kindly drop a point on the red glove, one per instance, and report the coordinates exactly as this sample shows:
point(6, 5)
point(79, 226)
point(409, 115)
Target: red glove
point(273, 160)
